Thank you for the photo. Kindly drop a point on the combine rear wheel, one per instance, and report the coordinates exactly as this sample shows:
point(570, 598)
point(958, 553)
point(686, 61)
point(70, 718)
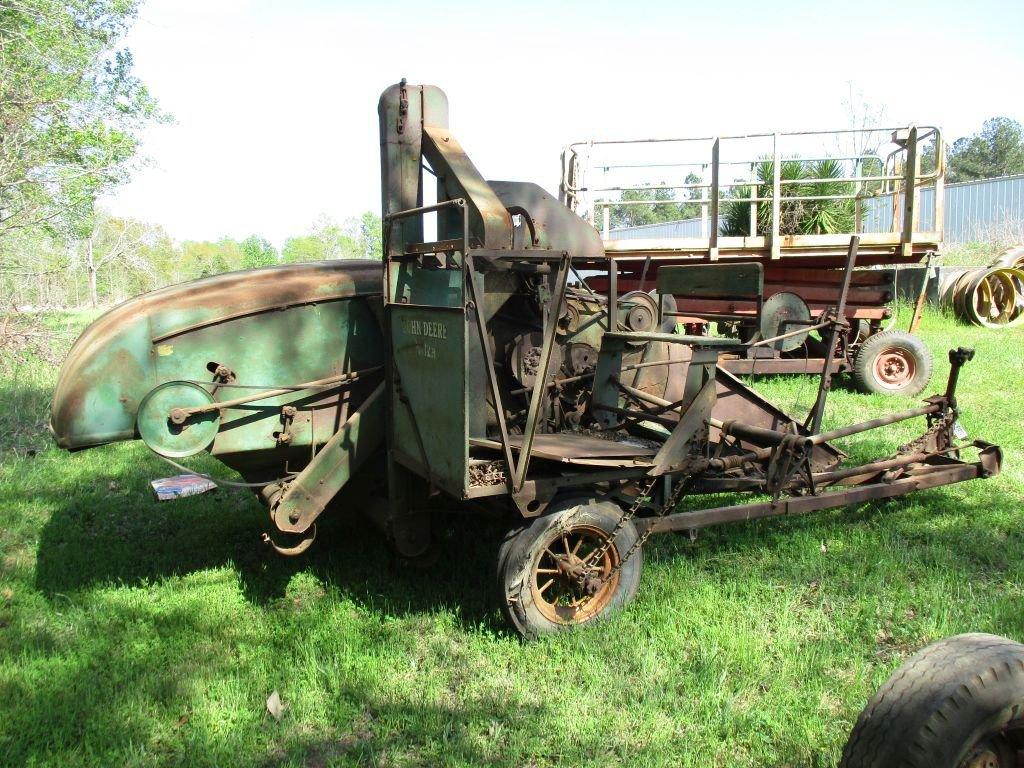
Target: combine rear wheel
point(556, 573)
point(892, 363)
point(959, 703)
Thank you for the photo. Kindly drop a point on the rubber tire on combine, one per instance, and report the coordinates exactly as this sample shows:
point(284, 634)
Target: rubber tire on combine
point(892, 363)
point(959, 703)
point(573, 528)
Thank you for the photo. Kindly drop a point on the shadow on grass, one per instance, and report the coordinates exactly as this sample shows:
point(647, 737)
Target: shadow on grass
point(95, 535)
point(118, 695)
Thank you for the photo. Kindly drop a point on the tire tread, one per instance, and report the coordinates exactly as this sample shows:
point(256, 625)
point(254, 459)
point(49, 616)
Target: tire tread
point(902, 725)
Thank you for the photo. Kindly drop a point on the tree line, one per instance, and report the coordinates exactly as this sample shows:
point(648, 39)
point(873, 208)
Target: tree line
point(71, 114)
point(122, 257)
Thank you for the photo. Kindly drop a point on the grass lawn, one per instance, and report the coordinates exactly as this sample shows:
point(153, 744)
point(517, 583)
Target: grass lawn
point(136, 633)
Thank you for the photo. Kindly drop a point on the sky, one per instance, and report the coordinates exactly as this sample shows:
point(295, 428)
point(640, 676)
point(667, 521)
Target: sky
point(274, 103)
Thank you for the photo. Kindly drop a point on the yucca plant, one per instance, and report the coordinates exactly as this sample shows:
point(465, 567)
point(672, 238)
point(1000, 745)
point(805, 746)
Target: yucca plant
point(826, 217)
point(796, 217)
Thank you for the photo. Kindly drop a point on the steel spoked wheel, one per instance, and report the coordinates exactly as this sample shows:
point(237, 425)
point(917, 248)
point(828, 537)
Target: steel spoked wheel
point(575, 575)
point(565, 568)
point(895, 368)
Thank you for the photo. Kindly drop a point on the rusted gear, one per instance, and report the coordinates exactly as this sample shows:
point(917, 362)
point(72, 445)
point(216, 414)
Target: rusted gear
point(935, 438)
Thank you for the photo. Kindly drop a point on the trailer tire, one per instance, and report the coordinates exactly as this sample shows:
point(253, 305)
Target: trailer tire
point(892, 363)
point(525, 550)
point(958, 703)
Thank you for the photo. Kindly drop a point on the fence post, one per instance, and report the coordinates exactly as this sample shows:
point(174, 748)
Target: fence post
point(713, 234)
point(909, 194)
point(703, 202)
point(776, 246)
point(940, 186)
point(753, 205)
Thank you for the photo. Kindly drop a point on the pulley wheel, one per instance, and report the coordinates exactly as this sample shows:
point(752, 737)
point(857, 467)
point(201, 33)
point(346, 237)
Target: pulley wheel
point(669, 321)
point(569, 320)
point(782, 313)
point(642, 316)
point(176, 440)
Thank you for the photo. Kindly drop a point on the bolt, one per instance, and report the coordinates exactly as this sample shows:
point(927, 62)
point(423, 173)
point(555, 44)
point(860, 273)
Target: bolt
point(293, 517)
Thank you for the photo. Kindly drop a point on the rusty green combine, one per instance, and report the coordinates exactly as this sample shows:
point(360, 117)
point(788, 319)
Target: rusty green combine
point(476, 367)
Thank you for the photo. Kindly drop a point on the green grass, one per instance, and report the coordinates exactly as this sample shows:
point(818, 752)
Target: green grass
point(138, 633)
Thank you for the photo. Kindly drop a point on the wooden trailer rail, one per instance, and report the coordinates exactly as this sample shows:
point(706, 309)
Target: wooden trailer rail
point(596, 174)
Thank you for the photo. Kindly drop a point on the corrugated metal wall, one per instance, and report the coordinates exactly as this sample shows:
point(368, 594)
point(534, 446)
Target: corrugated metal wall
point(973, 209)
point(683, 228)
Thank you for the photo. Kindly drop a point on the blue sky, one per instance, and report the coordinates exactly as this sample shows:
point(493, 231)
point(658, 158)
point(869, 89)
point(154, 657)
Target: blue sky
point(275, 103)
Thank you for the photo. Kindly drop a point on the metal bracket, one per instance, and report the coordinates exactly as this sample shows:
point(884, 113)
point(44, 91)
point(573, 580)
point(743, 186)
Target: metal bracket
point(284, 436)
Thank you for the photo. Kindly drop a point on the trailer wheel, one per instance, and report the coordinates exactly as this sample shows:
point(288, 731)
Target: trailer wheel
point(892, 363)
point(959, 703)
point(540, 566)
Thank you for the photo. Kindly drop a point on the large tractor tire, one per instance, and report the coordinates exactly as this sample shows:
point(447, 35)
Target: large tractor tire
point(959, 703)
point(892, 363)
point(539, 566)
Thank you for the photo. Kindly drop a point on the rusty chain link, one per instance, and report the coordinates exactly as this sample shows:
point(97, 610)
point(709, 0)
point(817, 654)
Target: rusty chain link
point(627, 516)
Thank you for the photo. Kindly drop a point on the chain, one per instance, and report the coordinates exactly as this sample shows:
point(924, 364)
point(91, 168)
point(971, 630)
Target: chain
point(944, 422)
point(627, 516)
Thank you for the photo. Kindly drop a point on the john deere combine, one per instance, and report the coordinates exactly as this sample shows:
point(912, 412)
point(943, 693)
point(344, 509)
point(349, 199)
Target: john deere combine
point(475, 366)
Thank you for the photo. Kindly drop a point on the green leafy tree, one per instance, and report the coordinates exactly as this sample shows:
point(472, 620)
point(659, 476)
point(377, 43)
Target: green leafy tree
point(638, 215)
point(257, 252)
point(357, 238)
point(370, 234)
point(204, 258)
point(996, 150)
point(70, 109)
point(303, 248)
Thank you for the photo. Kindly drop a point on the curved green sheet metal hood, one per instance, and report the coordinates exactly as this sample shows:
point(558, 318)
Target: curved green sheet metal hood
point(152, 339)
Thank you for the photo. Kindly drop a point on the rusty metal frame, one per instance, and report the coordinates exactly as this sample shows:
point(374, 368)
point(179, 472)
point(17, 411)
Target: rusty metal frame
point(926, 476)
point(542, 372)
point(838, 322)
point(492, 378)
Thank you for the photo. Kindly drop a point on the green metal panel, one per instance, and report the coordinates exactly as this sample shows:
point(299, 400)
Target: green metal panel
point(305, 344)
point(429, 392)
point(711, 280)
point(273, 326)
point(609, 363)
point(412, 283)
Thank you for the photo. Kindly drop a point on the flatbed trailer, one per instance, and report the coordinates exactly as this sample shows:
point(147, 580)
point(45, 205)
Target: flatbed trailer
point(880, 191)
